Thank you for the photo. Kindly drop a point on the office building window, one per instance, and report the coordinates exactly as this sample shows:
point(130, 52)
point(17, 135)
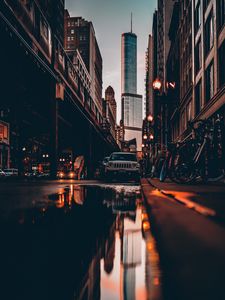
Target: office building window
point(72, 31)
point(222, 64)
point(198, 56)
point(209, 82)
point(198, 98)
point(197, 16)
point(209, 38)
point(221, 13)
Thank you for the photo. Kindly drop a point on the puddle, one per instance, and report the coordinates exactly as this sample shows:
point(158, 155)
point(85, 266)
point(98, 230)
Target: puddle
point(82, 242)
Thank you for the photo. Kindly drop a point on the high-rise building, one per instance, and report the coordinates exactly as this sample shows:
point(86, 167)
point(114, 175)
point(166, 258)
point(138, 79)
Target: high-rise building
point(129, 63)
point(80, 34)
point(165, 8)
point(149, 78)
point(131, 101)
point(109, 109)
point(160, 47)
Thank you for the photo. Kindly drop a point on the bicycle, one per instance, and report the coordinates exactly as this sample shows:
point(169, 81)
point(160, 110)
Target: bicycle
point(202, 155)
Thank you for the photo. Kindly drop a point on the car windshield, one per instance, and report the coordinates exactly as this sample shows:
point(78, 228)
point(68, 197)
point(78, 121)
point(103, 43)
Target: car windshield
point(121, 156)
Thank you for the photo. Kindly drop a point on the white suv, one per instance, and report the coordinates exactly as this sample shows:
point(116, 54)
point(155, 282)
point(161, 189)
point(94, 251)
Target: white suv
point(123, 164)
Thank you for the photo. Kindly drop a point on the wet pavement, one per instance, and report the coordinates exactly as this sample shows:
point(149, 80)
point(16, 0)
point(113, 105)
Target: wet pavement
point(69, 241)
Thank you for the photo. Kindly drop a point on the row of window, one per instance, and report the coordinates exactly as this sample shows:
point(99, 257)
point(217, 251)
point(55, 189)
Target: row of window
point(220, 14)
point(208, 43)
point(209, 81)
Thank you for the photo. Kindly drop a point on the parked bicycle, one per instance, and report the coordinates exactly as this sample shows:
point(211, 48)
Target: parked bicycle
point(201, 155)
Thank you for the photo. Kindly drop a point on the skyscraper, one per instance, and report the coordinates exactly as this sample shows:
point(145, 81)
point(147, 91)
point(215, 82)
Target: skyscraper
point(131, 101)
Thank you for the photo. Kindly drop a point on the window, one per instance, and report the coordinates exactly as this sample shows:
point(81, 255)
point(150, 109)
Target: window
point(198, 56)
point(188, 110)
point(209, 38)
point(72, 31)
point(198, 98)
point(221, 13)
point(206, 3)
point(209, 82)
point(68, 39)
point(222, 64)
point(197, 16)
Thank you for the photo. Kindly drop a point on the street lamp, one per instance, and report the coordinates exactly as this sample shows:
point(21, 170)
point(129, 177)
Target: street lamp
point(145, 137)
point(150, 118)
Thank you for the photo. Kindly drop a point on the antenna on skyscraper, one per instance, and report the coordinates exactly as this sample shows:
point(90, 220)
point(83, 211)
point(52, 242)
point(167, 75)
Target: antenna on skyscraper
point(131, 23)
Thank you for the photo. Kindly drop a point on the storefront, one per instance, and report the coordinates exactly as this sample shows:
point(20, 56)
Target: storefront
point(4, 145)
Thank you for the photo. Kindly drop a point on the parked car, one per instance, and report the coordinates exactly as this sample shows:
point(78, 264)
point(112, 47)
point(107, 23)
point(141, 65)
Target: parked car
point(67, 175)
point(123, 165)
point(11, 172)
point(2, 174)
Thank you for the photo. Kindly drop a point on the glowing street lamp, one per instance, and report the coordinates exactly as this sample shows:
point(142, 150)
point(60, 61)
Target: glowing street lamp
point(150, 118)
point(151, 136)
point(145, 137)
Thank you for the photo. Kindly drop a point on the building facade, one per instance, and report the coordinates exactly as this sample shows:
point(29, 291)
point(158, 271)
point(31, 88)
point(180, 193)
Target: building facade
point(164, 13)
point(80, 34)
point(149, 78)
point(110, 109)
point(198, 48)
point(131, 101)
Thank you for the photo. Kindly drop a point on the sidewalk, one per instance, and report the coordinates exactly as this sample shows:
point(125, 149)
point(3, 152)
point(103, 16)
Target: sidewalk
point(191, 246)
point(209, 198)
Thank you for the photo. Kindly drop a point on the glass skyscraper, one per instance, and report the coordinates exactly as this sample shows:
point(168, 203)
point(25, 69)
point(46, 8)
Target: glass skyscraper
point(129, 63)
point(131, 101)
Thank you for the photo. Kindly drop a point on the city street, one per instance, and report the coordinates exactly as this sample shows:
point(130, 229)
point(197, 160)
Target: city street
point(71, 239)
point(112, 150)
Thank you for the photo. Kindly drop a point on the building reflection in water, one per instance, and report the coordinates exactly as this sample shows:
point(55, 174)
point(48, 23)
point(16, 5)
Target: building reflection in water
point(136, 259)
point(80, 243)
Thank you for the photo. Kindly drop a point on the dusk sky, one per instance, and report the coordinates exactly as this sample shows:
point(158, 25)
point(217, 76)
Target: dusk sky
point(110, 19)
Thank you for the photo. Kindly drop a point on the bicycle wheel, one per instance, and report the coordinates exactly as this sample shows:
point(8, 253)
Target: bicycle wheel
point(184, 170)
point(163, 172)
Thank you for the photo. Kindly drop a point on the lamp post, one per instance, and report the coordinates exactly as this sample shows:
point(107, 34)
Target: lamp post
point(147, 140)
point(163, 99)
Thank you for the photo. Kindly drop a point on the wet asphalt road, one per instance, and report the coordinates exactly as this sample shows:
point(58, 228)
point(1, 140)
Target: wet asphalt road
point(62, 240)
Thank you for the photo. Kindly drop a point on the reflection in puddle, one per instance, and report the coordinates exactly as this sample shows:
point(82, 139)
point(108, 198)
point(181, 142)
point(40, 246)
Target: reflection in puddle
point(81, 243)
point(136, 273)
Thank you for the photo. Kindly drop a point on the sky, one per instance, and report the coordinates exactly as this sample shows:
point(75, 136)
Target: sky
point(110, 19)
